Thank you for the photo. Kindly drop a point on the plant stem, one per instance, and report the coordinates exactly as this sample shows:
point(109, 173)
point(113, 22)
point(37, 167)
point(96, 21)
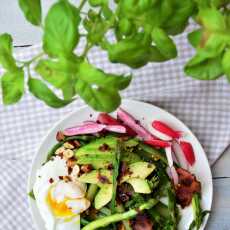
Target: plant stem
point(86, 50)
point(82, 4)
point(105, 221)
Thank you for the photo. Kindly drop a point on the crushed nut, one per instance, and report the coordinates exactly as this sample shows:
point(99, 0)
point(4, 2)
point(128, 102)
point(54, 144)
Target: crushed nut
point(67, 145)
point(71, 163)
point(76, 143)
point(60, 136)
point(75, 173)
point(60, 151)
point(68, 153)
point(66, 178)
point(86, 168)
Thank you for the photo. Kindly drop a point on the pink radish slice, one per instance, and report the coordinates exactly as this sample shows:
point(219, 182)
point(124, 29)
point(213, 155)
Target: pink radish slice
point(111, 128)
point(133, 124)
point(188, 152)
point(84, 129)
point(116, 128)
point(174, 175)
point(160, 135)
point(173, 171)
point(106, 119)
point(157, 143)
point(165, 129)
point(168, 152)
point(179, 155)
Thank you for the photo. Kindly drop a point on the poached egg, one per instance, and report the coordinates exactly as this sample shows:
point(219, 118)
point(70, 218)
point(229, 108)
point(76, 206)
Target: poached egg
point(59, 202)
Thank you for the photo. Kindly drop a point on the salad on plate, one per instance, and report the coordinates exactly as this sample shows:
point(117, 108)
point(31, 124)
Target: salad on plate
point(113, 173)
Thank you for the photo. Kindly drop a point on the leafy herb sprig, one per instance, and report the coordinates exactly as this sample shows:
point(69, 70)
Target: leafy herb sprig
point(143, 31)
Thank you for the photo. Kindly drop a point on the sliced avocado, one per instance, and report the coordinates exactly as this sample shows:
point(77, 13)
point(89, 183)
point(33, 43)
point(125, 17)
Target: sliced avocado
point(104, 196)
point(130, 157)
point(96, 147)
point(138, 170)
point(131, 143)
point(94, 176)
point(96, 160)
point(139, 185)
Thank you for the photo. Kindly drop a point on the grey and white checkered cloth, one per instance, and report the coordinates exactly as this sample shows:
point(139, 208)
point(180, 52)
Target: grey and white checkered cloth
point(203, 106)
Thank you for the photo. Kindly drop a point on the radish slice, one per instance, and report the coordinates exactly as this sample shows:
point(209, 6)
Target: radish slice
point(106, 119)
point(175, 158)
point(165, 129)
point(84, 129)
point(173, 171)
point(179, 155)
point(168, 152)
point(188, 152)
point(160, 135)
point(174, 175)
point(116, 128)
point(133, 124)
point(169, 172)
point(157, 143)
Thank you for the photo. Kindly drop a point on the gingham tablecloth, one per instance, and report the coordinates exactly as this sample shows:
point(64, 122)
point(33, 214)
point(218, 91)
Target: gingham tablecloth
point(203, 106)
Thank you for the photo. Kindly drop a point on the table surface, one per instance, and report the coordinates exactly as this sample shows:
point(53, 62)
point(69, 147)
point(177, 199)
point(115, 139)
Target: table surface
point(25, 35)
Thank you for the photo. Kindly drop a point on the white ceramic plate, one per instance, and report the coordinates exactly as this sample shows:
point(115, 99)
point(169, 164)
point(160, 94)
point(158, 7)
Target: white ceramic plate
point(146, 113)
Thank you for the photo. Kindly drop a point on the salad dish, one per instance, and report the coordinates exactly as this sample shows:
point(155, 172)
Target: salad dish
point(119, 172)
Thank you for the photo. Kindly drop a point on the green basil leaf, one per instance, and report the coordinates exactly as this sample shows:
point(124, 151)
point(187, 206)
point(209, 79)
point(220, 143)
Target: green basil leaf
point(125, 27)
point(204, 68)
point(195, 37)
point(92, 75)
point(212, 19)
point(96, 3)
point(226, 64)
point(100, 99)
point(96, 26)
point(12, 86)
point(61, 29)
point(106, 11)
point(58, 73)
point(136, 50)
point(177, 22)
point(155, 55)
point(212, 47)
point(164, 43)
point(160, 13)
point(6, 49)
point(41, 91)
point(32, 10)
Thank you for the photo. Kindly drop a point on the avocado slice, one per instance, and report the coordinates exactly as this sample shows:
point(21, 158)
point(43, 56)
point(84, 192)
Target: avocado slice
point(138, 170)
point(130, 157)
point(139, 185)
point(96, 160)
point(104, 196)
point(96, 147)
point(94, 176)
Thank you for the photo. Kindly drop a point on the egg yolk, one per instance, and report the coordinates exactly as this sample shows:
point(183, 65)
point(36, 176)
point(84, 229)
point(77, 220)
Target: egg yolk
point(60, 209)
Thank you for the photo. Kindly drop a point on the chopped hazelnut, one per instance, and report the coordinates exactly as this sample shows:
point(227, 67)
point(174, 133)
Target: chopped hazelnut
point(68, 153)
point(59, 150)
point(71, 163)
point(86, 168)
point(67, 145)
point(60, 136)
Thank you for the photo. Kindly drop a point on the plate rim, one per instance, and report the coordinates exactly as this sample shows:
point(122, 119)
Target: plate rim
point(61, 120)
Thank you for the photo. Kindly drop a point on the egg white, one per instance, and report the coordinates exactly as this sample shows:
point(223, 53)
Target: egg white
point(52, 195)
